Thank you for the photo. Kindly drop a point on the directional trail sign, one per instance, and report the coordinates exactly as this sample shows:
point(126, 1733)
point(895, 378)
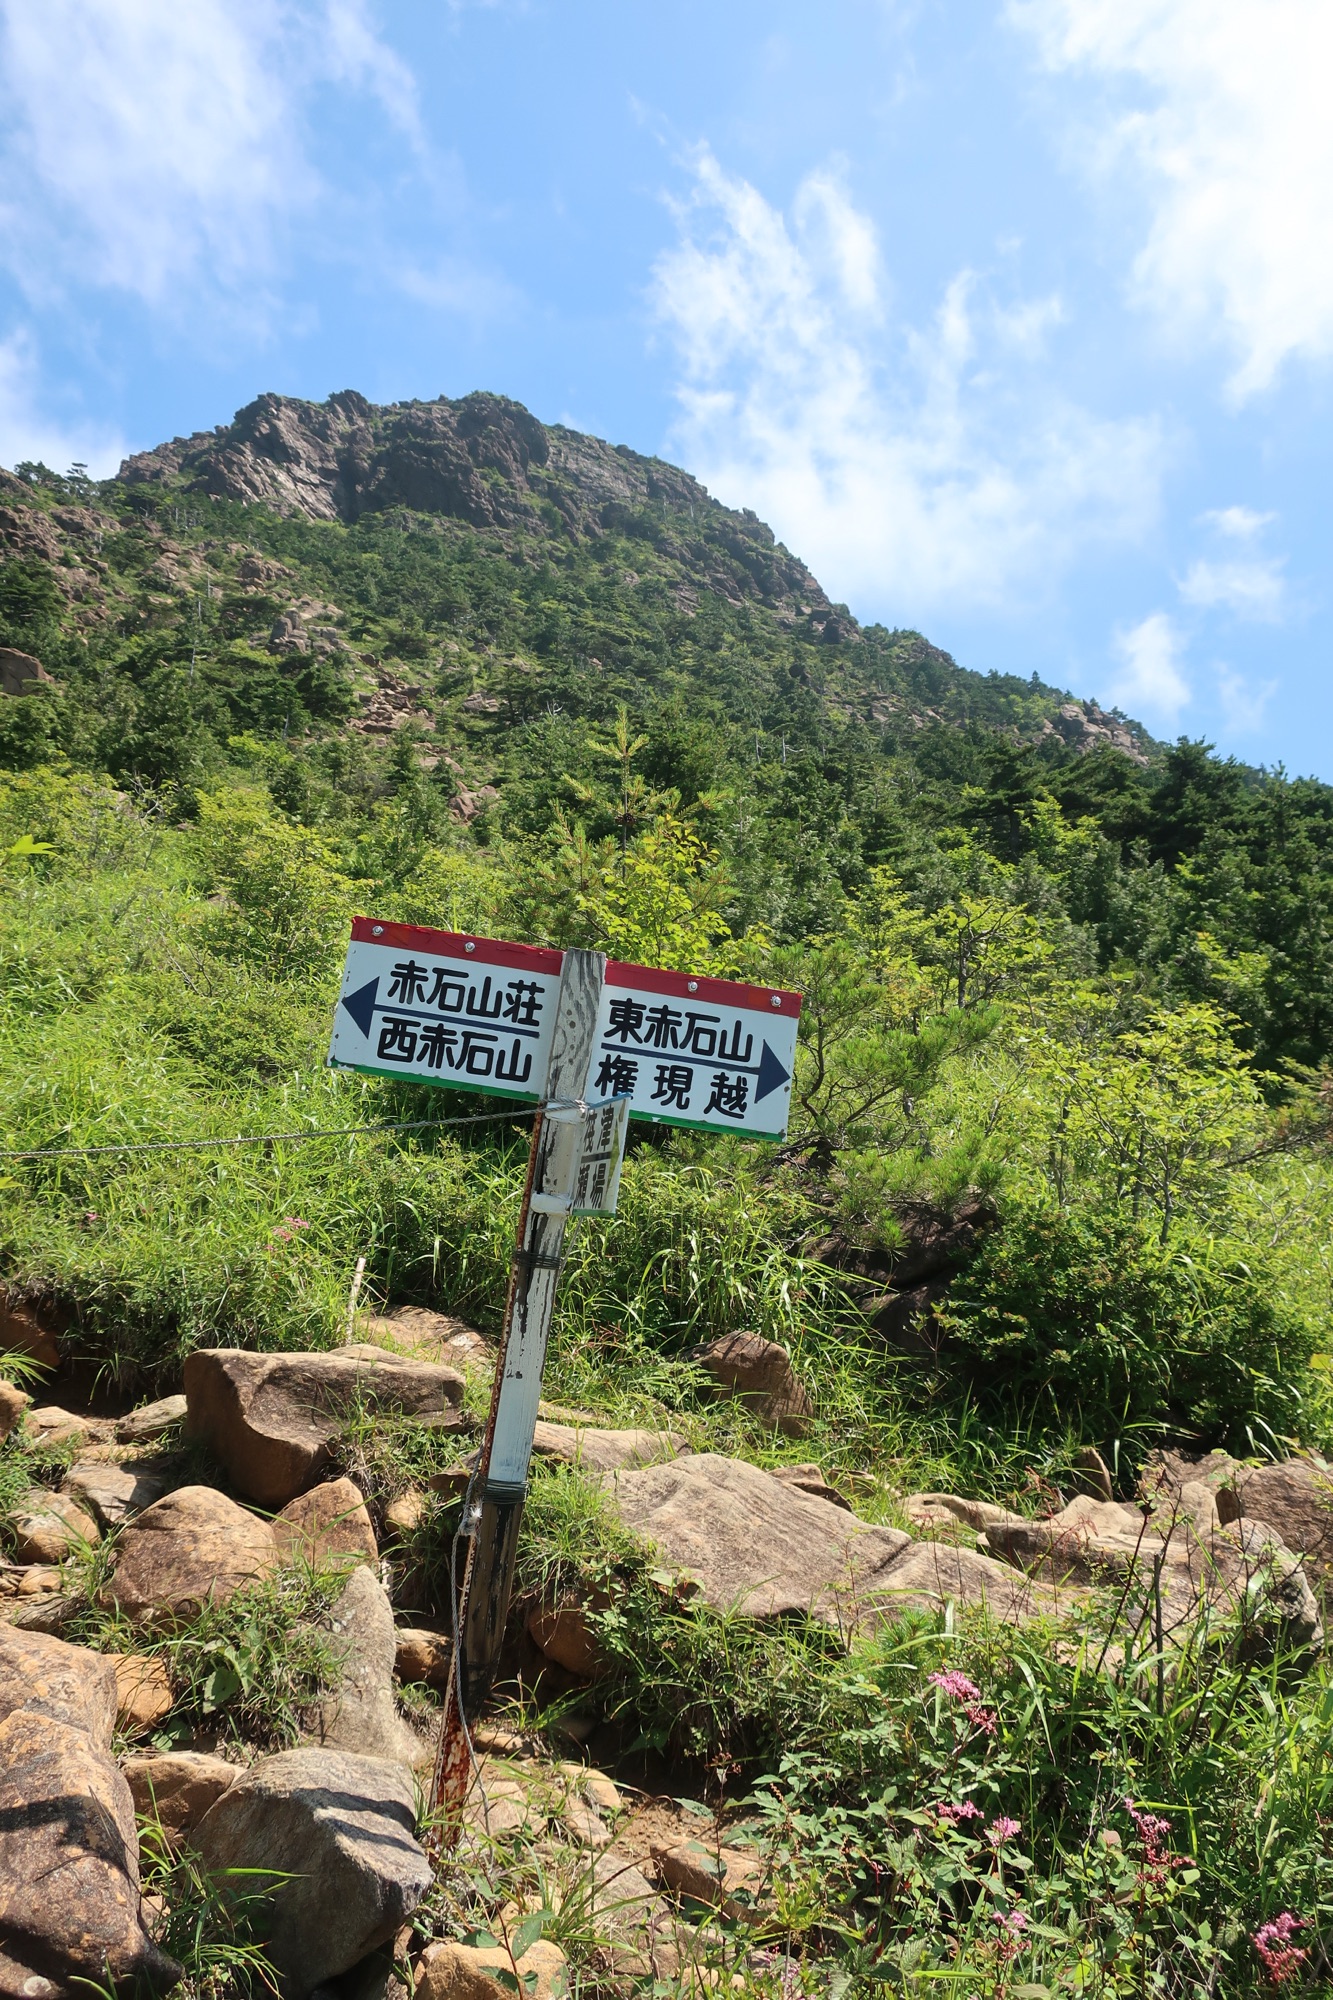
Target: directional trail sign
point(708, 1053)
point(443, 1008)
point(593, 1043)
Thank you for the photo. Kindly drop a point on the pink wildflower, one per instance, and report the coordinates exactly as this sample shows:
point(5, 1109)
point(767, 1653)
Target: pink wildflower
point(960, 1689)
point(1012, 1923)
point(1158, 1860)
point(1002, 1829)
point(957, 1685)
point(288, 1226)
point(965, 1809)
point(1282, 1960)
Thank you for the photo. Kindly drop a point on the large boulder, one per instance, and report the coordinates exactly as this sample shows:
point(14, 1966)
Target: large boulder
point(428, 1336)
point(759, 1372)
point(422, 1655)
point(272, 1419)
point(145, 1694)
point(151, 1420)
point(70, 1908)
point(452, 1971)
point(49, 1427)
point(1248, 1568)
point(338, 1831)
point(20, 672)
point(46, 1526)
point(360, 1713)
point(326, 1526)
point(723, 1878)
point(177, 1787)
point(755, 1545)
point(13, 1402)
point(563, 1634)
point(193, 1548)
point(63, 1683)
point(603, 1451)
point(114, 1493)
point(26, 1329)
point(1296, 1498)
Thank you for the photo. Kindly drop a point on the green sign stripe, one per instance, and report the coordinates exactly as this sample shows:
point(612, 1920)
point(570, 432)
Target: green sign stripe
point(436, 1082)
point(705, 1125)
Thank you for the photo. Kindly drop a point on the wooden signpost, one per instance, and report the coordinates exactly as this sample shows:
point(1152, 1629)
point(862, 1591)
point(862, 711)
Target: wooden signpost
point(593, 1043)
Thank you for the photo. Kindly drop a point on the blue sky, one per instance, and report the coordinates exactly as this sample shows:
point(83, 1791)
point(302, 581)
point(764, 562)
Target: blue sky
point(1013, 317)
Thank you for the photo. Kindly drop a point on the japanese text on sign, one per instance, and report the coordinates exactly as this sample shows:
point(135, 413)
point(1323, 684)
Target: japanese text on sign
point(446, 1009)
point(479, 1014)
point(703, 1052)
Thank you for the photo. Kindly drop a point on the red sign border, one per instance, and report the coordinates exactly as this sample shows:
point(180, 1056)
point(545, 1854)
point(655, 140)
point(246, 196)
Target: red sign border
point(697, 986)
point(457, 944)
point(768, 1000)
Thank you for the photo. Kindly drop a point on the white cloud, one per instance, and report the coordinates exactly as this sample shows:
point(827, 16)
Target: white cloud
point(158, 147)
point(1149, 678)
point(28, 432)
point(1229, 136)
point(1256, 590)
point(1238, 524)
point(355, 55)
point(915, 467)
point(1243, 705)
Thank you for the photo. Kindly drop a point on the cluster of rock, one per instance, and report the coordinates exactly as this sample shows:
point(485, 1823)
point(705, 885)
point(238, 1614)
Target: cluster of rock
point(1085, 726)
point(332, 1821)
point(336, 1816)
point(899, 1287)
point(1206, 1540)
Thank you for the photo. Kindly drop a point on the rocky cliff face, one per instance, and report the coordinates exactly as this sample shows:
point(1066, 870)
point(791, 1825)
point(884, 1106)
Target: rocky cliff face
point(484, 460)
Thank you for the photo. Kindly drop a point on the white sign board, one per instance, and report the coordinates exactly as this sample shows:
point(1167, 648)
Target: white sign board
point(706, 1053)
point(439, 1007)
point(442, 1008)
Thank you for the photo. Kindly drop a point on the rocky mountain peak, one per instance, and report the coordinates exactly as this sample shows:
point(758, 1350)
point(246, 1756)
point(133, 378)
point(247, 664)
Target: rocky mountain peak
point(485, 460)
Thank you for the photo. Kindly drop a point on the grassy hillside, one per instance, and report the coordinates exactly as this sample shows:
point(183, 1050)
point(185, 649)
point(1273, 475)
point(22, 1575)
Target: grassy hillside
point(1069, 997)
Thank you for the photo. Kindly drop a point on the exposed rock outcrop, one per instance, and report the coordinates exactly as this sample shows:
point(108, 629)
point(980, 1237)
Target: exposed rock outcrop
point(20, 672)
point(192, 1548)
point(1171, 1567)
point(272, 1419)
point(70, 1907)
point(346, 457)
point(338, 1832)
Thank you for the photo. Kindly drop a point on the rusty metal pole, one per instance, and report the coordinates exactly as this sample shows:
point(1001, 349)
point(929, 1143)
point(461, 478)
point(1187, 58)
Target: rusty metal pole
point(493, 1508)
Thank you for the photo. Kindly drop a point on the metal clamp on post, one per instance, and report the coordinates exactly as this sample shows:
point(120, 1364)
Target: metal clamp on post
point(537, 1260)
